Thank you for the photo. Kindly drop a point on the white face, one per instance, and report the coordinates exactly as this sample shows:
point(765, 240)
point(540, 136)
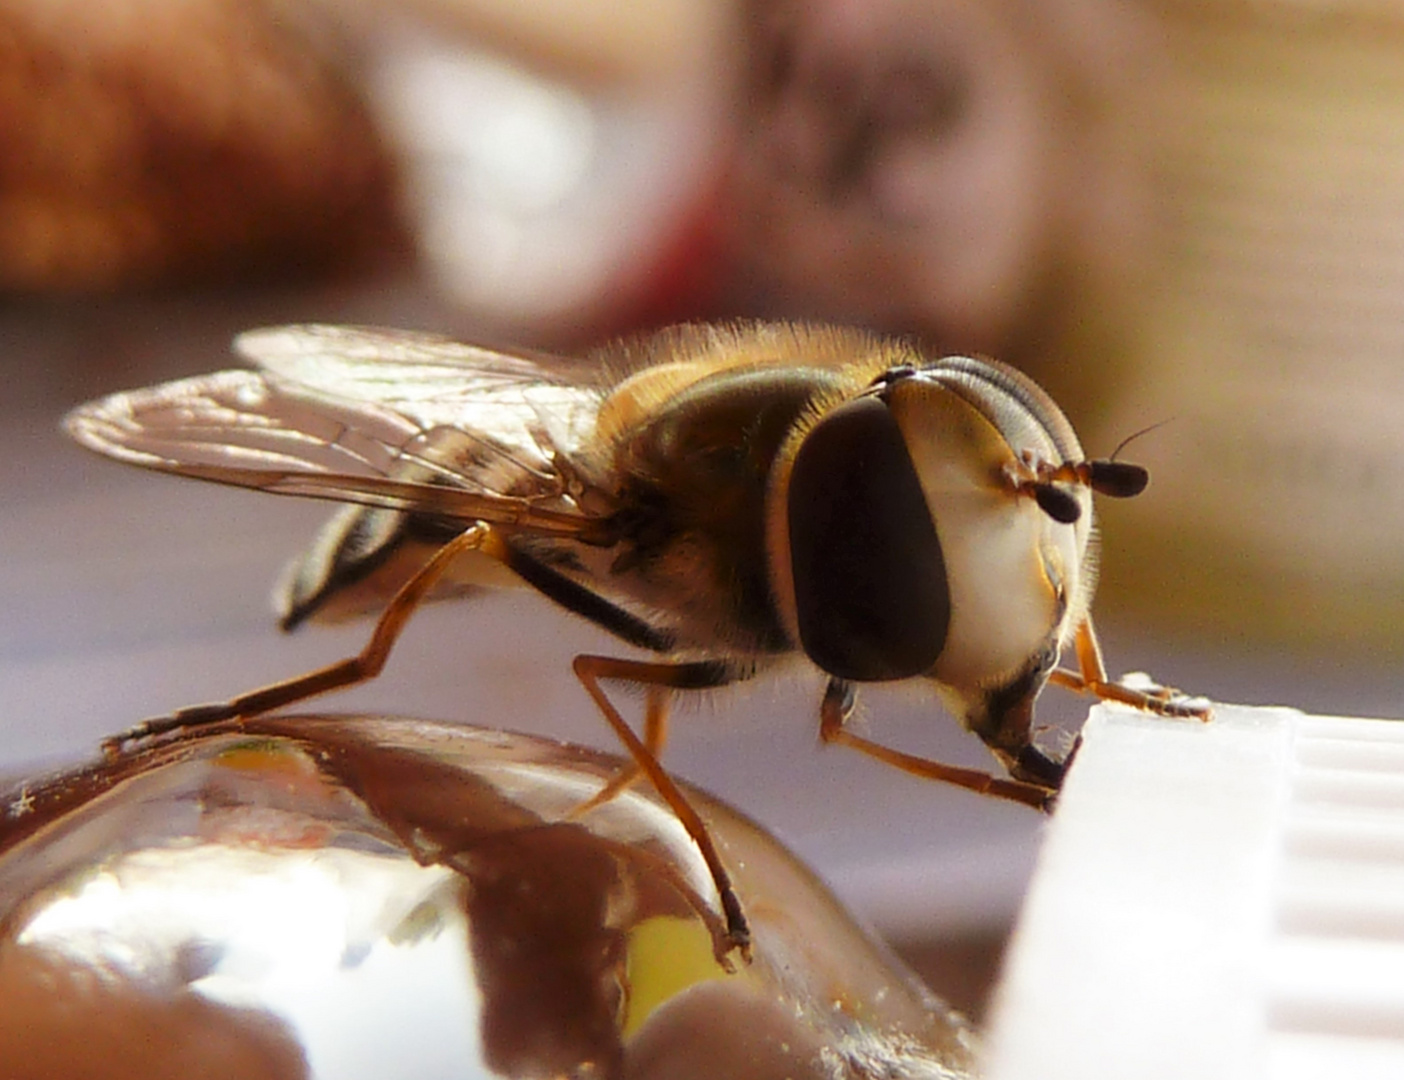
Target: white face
point(1008, 564)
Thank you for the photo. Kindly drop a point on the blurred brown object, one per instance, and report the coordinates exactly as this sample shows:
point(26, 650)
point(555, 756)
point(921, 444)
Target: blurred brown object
point(1272, 332)
point(1161, 210)
point(147, 142)
point(970, 171)
point(152, 1035)
point(649, 45)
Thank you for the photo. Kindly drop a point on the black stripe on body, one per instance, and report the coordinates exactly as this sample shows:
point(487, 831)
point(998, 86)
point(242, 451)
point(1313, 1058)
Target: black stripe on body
point(587, 603)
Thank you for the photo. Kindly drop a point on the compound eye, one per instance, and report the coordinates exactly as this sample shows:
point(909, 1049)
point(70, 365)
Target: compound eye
point(870, 581)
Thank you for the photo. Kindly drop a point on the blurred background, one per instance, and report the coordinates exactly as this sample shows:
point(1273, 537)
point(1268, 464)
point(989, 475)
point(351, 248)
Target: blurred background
point(1162, 210)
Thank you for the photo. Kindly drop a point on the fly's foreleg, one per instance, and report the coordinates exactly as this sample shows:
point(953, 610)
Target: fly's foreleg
point(1091, 678)
point(839, 701)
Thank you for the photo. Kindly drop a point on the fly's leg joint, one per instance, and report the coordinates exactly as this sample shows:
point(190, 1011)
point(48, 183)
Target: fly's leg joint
point(655, 737)
point(836, 710)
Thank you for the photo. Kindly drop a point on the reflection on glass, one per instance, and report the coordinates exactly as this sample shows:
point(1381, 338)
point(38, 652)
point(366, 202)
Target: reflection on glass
point(355, 898)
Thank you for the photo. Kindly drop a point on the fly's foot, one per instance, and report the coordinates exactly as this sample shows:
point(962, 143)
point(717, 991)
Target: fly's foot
point(148, 731)
point(1165, 700)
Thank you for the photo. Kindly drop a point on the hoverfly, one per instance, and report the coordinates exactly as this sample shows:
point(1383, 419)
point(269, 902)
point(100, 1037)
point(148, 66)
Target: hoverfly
point(724, 497)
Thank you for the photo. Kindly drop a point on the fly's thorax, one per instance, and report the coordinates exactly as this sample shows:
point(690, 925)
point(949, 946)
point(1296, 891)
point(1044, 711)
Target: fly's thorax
point(657, 372)
point(639, 396)
point(691, 472)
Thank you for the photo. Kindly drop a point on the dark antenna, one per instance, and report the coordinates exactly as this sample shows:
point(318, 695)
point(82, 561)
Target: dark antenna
point(1105, 476)
point(1120, 479)
point(1136, 435)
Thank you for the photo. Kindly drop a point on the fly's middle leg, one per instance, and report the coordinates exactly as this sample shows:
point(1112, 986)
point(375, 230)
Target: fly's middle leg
point(663, 678)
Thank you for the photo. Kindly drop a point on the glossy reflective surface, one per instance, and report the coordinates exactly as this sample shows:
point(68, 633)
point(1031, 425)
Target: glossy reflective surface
point(319, 897)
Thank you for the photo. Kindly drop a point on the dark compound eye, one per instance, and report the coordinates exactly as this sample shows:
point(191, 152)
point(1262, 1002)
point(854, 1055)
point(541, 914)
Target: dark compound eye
point(870, 580)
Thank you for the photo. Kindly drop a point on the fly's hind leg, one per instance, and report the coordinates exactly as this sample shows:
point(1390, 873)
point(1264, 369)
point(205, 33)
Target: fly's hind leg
point(655, 736)
point(660, 678)
point(365, 665)
point(1091, 678)
point(838, 704)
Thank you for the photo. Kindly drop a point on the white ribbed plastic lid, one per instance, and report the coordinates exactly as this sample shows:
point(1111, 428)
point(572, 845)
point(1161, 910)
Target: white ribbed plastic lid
point(1220, 900)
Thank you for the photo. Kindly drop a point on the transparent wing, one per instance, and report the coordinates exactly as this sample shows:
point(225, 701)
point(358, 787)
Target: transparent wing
point(365, 431)
point(524, 411)
point(432, 380)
